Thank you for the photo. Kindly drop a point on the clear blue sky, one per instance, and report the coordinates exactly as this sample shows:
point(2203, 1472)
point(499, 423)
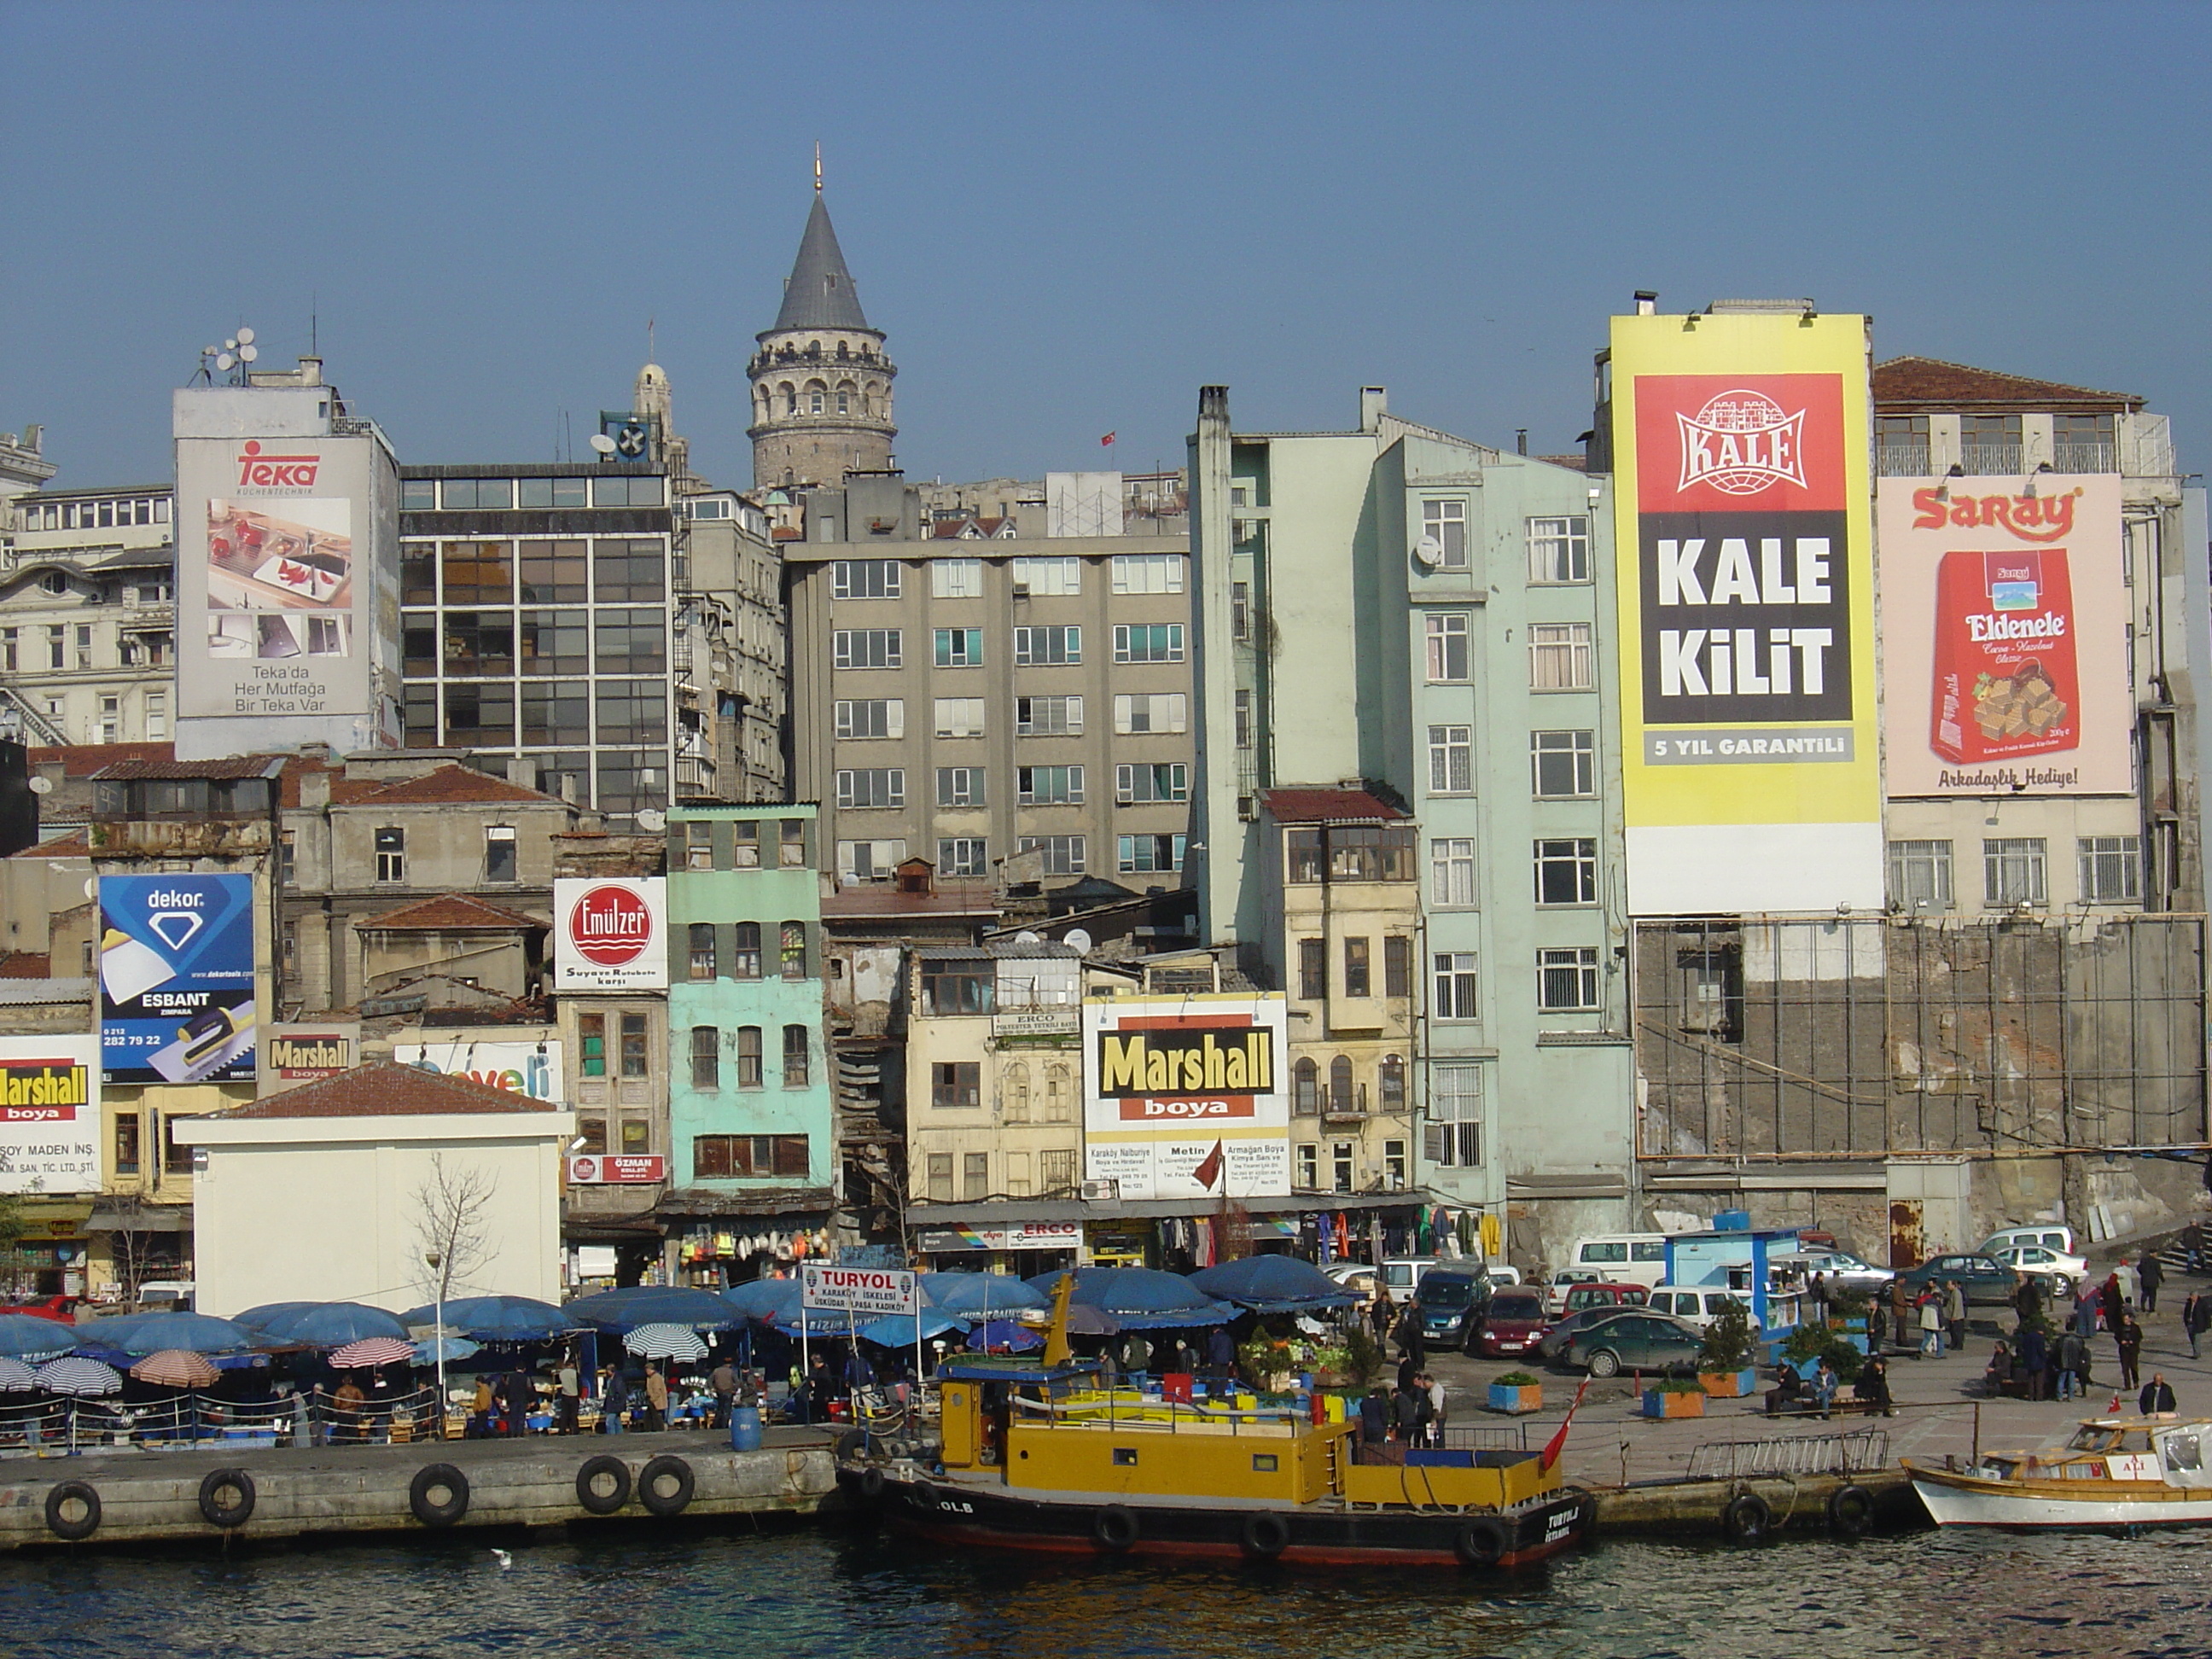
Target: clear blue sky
point(1069, 217)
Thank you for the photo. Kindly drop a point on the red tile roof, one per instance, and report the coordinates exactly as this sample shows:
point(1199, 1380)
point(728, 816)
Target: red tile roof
point(71, 844)
point(453, 785)
point(382, 1088)
point(82, 760)
point(1913, 383)
point(236, 766)
point(1328, 806)
point(450, 913)
point(885, 899)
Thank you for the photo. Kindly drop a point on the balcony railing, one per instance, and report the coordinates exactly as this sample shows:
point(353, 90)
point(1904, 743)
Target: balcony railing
point(1990, 460)
point(1895, 460)
point(2078, 456)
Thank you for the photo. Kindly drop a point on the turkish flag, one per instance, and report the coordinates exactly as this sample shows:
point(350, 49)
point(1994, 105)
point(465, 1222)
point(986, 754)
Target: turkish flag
point(1110, 436)
point(1558, 1443)
point(1209, 1170)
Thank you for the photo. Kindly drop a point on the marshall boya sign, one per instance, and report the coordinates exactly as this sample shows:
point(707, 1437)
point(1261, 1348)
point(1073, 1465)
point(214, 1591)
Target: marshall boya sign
point(1183, 1096)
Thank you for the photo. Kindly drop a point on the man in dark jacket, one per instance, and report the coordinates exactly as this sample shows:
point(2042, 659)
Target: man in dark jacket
point(2152, 1274)
point(2196, 1320)
point(2034, 1351)
point(2157, 1396)
point(1374, 1418)
point(2128, 1339)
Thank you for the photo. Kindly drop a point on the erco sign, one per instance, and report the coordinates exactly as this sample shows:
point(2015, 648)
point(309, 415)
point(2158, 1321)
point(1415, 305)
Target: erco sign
point(610, 935)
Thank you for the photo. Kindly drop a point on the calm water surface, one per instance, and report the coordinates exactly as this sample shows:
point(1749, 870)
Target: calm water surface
point(855, 1594)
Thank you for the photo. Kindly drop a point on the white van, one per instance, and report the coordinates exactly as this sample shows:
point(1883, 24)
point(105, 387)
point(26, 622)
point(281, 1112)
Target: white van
point(1697, 1305)
point(2050, 1235)
point(1623, 1258)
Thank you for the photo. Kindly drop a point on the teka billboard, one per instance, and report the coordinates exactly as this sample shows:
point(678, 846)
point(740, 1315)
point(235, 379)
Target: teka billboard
point(610, 934)
point(1187, 1097)
point(1750, 734)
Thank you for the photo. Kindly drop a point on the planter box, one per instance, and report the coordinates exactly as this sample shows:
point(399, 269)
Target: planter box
point(1657, 1403)
point(1730, 1385)
point(1517, 1401)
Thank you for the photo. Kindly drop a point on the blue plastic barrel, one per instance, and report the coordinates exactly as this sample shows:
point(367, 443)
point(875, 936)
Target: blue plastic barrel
point(745, 1428)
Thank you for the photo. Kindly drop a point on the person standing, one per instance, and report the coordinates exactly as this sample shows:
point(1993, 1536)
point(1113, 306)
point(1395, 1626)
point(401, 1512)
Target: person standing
point(2112, 1300)
point(2157, 1397)
point(569, 1394)
point(1407, 1411)
point(1954, 1313)
point(1816, 1303)
point(2035, 1361)
point(1384, 1315)
point(1931, 1327)
point(1221, 1353)
point(2085, 1312)
point(614, 1399)
point(1436, 1408)
point(2071, 1357)
point(2130, 1343)
point(2151, 1273)
point(2197, 1319)
point(1897, 1313)
point(1374, 1418)
point(1873, 1386)
point(1412, 1341)
point(724, 1383)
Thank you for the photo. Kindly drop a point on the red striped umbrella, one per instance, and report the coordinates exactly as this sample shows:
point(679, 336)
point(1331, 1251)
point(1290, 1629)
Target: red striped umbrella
point(373, 1350)
point(176, 1368)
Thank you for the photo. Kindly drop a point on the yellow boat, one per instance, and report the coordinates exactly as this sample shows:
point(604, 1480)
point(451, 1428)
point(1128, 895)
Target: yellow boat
point(2115, 1471)
point(1039, 1455)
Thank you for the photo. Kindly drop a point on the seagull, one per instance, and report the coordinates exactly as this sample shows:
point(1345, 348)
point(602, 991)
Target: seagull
point(505, 1561)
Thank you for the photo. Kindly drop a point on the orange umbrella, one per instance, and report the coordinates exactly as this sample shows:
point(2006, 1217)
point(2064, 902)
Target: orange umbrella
point(175, 1368)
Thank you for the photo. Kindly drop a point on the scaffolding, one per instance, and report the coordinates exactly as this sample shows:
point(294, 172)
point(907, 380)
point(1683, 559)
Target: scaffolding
point(1776, 1038)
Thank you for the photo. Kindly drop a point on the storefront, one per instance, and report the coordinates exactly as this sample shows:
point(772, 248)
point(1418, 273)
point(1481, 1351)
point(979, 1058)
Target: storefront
point(50, 1256)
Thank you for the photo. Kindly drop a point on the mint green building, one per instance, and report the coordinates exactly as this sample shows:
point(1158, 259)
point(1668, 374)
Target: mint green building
point(748, 1097)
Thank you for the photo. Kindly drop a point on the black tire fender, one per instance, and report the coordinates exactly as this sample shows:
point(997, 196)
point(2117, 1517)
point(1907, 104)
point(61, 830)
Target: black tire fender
point(852, 1445)
point(588, 1495)
point(1850, 1510)
point(1265, 1535)
point(1479, 1542)
point(871, 1484)
point(648, 1486)
point(430, 1477)
point(1113, 1528)
point(1747, 1520)
point(62, 1493)
point(214, 1511)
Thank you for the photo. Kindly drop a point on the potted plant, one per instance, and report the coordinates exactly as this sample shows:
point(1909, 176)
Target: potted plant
point(1674, 1396)
point(1724, 1367)
point(1516, 1393)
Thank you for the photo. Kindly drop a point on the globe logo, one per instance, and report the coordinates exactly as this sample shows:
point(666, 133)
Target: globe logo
point(1741, 443)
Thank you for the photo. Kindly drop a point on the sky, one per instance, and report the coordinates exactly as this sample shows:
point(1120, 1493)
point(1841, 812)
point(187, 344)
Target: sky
point(1069, 217)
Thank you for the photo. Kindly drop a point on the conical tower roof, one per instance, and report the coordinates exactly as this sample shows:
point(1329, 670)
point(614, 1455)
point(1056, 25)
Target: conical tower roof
point(820, 294)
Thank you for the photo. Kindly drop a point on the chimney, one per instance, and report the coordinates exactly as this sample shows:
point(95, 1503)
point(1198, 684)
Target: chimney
point(310, 371)
point(314, 788)
point(1647, 302)
point(1520, 440)
point(1213, 402)
point(1374, 405)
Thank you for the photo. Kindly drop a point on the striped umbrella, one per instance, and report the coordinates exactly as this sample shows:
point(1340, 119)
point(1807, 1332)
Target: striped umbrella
point(666, 1342)
point(77, 1376)
point(176, 1368)
point(373, 1350)
point(16, 1377)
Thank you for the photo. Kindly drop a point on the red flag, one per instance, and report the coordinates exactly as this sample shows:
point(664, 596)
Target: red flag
point(1109, 437)
point(1558, 1443)
point(1209, 1171)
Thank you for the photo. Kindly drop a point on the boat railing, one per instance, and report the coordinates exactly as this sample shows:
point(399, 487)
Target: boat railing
point(1163, 1415)
point(1857, 1452)
point(1504, 1437)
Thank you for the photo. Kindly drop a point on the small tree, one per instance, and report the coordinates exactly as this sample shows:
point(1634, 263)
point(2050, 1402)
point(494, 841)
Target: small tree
point(1728, 1340)
point(13, 1226)
point(451, 1225)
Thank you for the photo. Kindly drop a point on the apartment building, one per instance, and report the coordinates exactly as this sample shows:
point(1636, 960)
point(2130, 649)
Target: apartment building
point(997, 704)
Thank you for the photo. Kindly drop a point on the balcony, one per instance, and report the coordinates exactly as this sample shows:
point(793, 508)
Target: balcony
point(2092, 457)
point(1902, 460)
point(1991, 460)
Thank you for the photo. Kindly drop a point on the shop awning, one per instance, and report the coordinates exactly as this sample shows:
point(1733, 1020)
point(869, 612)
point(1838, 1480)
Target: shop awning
point(53, 1217)
point(145, 1218)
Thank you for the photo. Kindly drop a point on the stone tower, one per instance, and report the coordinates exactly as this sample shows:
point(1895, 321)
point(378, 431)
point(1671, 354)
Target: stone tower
point(821, 383)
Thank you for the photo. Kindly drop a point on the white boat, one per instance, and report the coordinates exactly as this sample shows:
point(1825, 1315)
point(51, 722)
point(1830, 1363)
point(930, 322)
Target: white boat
point(2115, 1471)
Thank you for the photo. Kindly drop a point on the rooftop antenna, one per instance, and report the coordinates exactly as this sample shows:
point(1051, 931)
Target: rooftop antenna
point(652, 355)
point(817, 166)
point(314, 324)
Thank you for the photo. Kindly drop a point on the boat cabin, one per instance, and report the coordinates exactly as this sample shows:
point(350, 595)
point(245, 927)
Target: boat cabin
point(1062, 1428)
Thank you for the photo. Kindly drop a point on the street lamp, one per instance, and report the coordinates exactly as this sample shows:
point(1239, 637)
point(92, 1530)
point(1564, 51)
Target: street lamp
point(431, 1258)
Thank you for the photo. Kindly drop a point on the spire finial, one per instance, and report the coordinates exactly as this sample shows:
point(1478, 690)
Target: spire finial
point(652, 356)
point(817, 166)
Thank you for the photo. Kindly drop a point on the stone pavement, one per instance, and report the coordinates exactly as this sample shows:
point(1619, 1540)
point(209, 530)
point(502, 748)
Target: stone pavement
point(1936, 1403)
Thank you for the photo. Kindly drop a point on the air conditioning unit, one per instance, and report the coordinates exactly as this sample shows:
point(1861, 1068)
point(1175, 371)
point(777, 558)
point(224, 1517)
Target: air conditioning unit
point(1101, 1192)
point(1021, 590)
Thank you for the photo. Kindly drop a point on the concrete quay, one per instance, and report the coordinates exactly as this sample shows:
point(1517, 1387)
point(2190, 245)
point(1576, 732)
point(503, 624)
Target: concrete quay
point(536, 1480)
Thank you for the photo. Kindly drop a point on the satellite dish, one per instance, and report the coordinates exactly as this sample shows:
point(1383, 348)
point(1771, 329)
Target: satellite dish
point(652, 818)
point(1077, 941)
point(247, 354)
point(42, 785)
point(603, 443)
point(246, 337)
point(224, 360)
point(1025, 937)
point(230, 345)
point(1428, 553)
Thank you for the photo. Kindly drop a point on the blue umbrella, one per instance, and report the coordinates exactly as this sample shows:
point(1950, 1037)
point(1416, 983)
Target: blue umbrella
point(495, 1318)
point(981, 1293)
point(1005, 1334)
point(27, 1336)
point(764, 1298)
point(1273, 1284)
point(617, 1312)
point(258, 1319)
point(897, 1330)
point(1142, 1298)
point(454, 1347)
point(201, 1333)
point(333, 1324)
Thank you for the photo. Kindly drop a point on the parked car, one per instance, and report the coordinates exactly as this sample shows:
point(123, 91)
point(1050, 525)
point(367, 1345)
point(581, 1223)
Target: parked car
point(1402, 1272)
point(1512, 1323)
point(1580, 1297)
point(1633, 1340)
point(62, 1307)
point(1839, 1269)
point(1986, 1282)
point(1452, 1302)
point(2050, 1235)
point(1560, 1331)
point(2059, 1272)
point(1636, 1258)
point(1502, 1275)
point(167, 1295)
point(1358, 1277)
point(1696, 1306)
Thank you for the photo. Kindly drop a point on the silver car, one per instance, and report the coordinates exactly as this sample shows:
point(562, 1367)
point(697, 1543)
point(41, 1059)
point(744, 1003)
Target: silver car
point(1839, 1269)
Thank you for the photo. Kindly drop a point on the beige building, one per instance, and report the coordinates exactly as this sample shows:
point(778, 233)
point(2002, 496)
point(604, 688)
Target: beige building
point(1343, 946)
point(971, 700)
point(335, 1192)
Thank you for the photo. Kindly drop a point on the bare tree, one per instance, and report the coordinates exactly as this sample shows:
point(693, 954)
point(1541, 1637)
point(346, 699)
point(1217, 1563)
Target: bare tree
point(452, 1212)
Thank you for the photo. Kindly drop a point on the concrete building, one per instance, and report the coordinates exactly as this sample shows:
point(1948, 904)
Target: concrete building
point(360, 1175)
point(734, 747)
point(1394, 610)
point(975, 701)
point(821, 380)
point(88, 623)
point(749, 1127)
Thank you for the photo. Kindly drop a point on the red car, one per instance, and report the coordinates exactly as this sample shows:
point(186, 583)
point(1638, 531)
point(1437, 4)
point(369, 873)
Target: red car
point(1511, 1324)
point(62, 1307)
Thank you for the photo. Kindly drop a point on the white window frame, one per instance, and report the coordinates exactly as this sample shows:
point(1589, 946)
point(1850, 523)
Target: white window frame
point(1454, 979)
point(1580, 751)
point(1066, 638)
point(1560, 550)
point(1160, 711)
point(1450, 647)
point(1581, 961)
point(1026, 777)
point(1148, 572)
point(2110, 869)
point(1443, 520)
point(1453, 1137)
point(2016, 869)
point(1068, 706)
point(1048, 576)
point(964, 856)
point(884, 574)
point(1452, 871)
point(1171, 646)
point(844, 655)
point(960, 787)
point(1451, 759)
point(885, 790)
point(1065, 855)
point(957, 717)
point(957, 648)
point(1556, 649)
point(858, 718)
point(1173, 776)
point(1921, 874)
point(955, 579)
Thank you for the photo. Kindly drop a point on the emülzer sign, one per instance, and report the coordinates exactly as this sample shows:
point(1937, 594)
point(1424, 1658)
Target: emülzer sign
point(610, 934)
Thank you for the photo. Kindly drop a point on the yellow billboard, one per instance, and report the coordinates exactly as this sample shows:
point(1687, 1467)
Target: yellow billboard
point(1750, 726)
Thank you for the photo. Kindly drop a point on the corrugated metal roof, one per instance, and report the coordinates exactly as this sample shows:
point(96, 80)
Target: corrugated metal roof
point(28, 991)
